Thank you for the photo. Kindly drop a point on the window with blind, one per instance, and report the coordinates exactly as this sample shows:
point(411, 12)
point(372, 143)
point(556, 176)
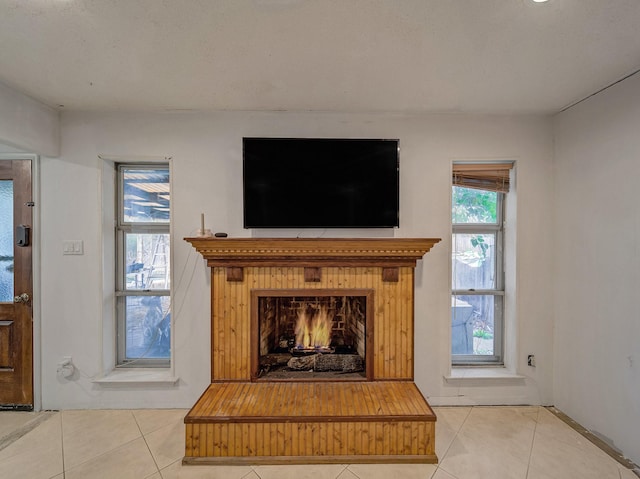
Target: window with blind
point(477, 300)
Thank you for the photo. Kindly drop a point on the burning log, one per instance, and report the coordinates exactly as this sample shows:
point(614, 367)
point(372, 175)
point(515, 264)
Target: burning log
point(274, 359)
point(302, 363)
point(345, 363)
point(270, 361)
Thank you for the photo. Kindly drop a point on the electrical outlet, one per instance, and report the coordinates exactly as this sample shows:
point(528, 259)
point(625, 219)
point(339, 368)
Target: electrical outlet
point(66, 369)
point(531, 360)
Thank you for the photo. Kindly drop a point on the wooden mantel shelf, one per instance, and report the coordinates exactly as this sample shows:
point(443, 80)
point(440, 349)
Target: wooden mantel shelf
point(241, 252)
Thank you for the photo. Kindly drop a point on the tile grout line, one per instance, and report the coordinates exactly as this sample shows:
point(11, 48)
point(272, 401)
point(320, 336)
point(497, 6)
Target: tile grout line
point(93, 458)
point(180, 461)
point(471, 408)
point(533, 440)
point(346, 468)
point(64, 469)
point(440, 459)
point(457, 431)
point(146, 443)
point(246, 475)
point(104, 454)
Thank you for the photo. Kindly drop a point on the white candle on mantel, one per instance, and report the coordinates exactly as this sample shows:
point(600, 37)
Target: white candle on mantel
point(201, 223)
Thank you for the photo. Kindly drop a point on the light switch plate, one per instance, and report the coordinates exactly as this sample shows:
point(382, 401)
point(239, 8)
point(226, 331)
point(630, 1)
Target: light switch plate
point(72, 247)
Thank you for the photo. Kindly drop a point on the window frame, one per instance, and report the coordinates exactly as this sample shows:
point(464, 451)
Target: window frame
point(497, 229)
point(122, 228)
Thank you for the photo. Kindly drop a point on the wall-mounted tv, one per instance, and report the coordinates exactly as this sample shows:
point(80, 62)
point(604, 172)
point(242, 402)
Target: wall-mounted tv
point(320, 183)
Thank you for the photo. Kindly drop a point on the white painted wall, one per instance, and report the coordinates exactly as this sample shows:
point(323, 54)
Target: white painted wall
point(207, 171)
point(597, 265)
point(9, 149)
point(27, 124)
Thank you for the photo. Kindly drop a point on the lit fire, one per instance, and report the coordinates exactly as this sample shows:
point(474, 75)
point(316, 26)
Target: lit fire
point(313, 332)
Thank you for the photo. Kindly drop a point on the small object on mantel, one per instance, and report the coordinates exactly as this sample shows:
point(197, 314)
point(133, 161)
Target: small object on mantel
point(206, 233)
point(220, 235)
point(202, 232)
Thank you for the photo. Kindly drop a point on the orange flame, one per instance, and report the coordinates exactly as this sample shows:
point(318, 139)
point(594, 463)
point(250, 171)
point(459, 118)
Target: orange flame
point(313, 332)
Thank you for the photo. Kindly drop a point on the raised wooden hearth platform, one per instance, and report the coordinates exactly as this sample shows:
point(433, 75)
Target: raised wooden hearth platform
point(310, 422)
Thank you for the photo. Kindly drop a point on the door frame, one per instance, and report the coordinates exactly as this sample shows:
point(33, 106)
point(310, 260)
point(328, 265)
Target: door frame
point(35, 257)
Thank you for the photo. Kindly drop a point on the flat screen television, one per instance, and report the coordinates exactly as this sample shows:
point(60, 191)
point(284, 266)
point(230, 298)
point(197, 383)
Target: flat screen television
point(320, 183)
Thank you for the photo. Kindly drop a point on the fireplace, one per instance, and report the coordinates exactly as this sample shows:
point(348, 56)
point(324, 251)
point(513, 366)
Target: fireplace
point(311, 334)
point(311, 354)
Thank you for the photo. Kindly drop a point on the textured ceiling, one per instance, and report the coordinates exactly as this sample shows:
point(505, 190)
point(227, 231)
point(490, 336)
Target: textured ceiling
point(512, 56)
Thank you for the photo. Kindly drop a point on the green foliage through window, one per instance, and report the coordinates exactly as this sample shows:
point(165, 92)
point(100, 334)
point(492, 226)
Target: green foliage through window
point(474, 206)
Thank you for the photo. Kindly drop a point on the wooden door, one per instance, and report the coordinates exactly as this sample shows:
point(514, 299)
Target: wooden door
point(16, 285)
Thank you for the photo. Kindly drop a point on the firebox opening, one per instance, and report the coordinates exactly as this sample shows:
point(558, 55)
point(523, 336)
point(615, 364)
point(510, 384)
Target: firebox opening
point(314, 336)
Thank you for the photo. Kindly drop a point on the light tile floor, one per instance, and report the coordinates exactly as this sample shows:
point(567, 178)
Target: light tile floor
point(471, 442)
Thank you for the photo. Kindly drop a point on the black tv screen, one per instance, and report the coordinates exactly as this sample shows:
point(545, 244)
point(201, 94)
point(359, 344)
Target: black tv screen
point(320, 183)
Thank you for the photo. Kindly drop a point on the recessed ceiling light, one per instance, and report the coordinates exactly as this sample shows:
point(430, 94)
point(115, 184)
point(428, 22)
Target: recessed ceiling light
point(540, 1)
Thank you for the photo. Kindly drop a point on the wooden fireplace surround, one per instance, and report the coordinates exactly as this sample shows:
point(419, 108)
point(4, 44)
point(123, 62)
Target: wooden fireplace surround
point(239, 420)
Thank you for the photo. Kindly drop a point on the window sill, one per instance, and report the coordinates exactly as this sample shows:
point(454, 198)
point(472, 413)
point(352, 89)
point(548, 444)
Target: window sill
point(129, 377)
point(483, 376)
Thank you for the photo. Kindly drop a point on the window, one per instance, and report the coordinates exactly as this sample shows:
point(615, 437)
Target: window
point(143, 276)
point(477, 300)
